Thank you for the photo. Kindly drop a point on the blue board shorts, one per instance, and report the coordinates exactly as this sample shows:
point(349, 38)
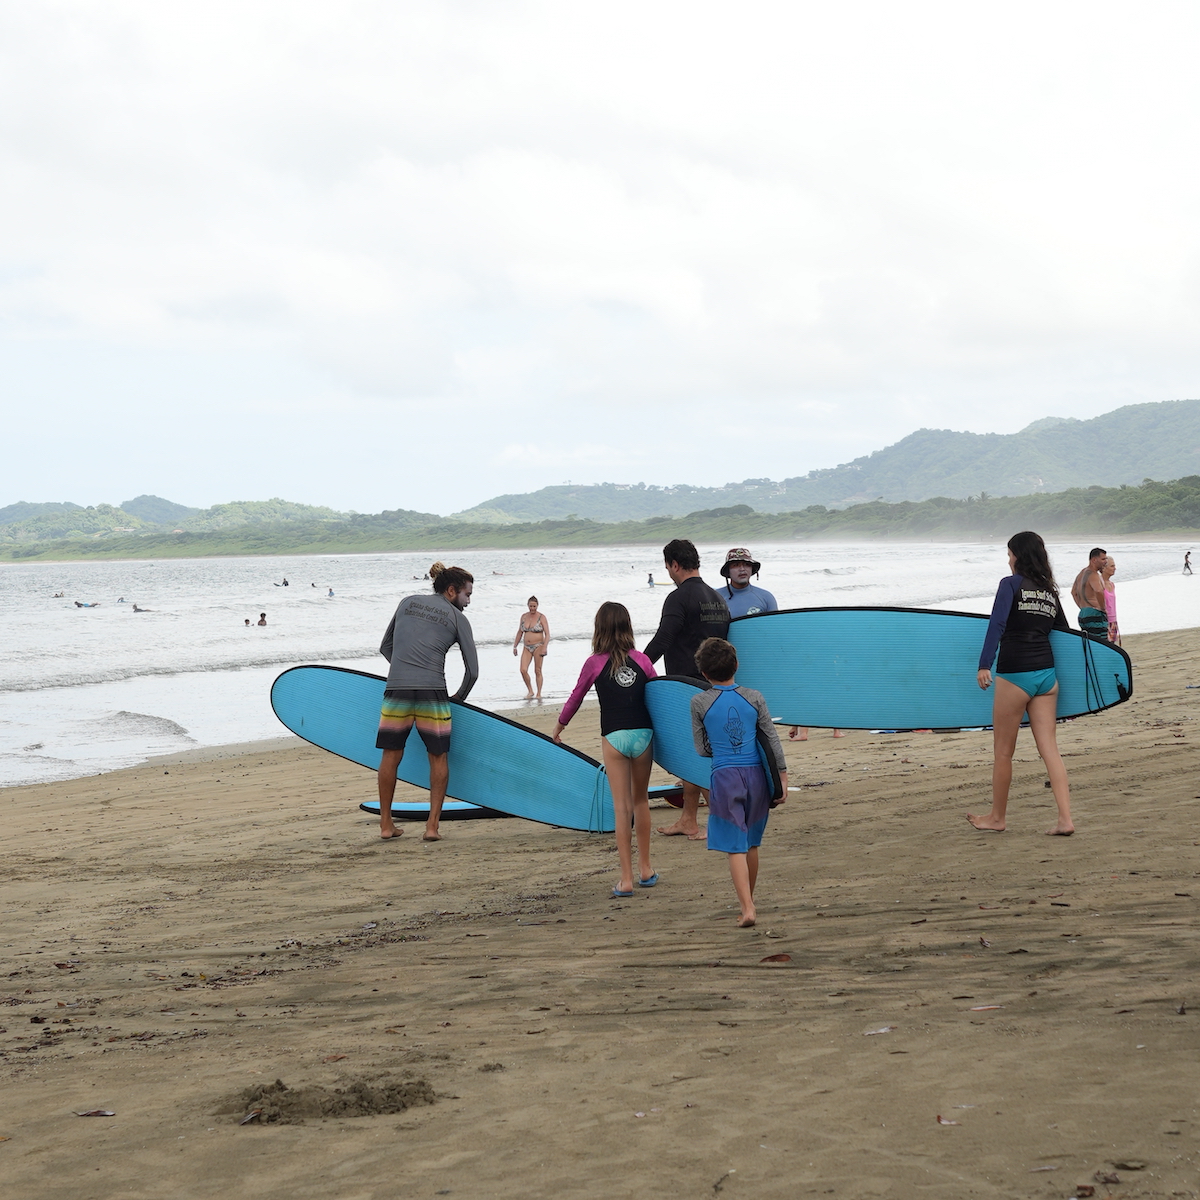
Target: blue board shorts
point(632, 743)
point(739, 802)
point(1032, 683)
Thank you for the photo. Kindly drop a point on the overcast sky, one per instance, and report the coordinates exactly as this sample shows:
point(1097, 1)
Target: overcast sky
point(404, 254)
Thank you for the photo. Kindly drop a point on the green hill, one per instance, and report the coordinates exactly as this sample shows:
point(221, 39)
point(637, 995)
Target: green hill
point(1140, 441)
point(157, 511)
point(1152, 508)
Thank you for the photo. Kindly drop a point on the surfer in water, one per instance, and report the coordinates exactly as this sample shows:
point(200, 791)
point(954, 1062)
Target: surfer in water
point(534, 628)
point(1027, 607)
point(692, 612)
point(262, 618)
point(423, 628)
point(618, 672)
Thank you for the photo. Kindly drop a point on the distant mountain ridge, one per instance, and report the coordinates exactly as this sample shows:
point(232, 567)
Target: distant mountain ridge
point(1139, 441)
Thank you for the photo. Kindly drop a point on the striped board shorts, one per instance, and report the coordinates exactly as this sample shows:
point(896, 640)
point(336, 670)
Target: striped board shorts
point(426, 708)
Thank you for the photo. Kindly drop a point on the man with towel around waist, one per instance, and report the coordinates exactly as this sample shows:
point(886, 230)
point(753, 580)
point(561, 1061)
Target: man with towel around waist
point(691, 613)
point(1088, 593)
point(415, 644)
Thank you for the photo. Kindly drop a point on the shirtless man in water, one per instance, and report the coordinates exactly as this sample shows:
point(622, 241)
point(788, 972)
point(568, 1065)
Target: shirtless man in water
point(1088, 593)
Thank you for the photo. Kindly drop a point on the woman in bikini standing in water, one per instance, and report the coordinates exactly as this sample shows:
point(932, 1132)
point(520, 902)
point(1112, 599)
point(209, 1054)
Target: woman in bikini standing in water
point(1026, 609)
point(534, 628)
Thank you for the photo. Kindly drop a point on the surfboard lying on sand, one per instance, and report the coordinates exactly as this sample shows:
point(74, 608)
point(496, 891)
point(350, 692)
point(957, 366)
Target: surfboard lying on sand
point(459, 810)
point(494, 762)
point(902, 668)
point(669, 697)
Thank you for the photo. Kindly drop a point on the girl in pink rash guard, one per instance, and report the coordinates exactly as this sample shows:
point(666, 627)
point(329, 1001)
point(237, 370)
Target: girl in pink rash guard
point(618, 672)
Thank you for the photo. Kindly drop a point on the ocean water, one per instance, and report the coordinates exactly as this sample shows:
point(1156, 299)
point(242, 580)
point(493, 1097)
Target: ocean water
point(85, 690)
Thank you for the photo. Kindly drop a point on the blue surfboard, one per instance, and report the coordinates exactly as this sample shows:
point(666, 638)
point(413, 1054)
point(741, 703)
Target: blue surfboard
point(668, 698)
point(494, 762)
point(459, 810)
point(902, 668)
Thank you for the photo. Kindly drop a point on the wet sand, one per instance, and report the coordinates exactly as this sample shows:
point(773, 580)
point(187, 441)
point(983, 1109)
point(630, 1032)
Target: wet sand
point(176, 933)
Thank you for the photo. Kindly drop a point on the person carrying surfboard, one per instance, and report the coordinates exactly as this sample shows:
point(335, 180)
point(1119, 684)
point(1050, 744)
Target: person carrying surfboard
point(691, 613)
point(422, 629)
point(618, 672)
point(1026, 609)
point(726, 721)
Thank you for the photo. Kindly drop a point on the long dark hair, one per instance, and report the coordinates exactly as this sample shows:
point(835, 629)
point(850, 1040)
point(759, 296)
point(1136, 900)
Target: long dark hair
point(613, 634)
point(1033, 563)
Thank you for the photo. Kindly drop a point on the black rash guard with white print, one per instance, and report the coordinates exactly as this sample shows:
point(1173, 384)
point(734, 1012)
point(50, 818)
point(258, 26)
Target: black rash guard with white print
point(1022, 617)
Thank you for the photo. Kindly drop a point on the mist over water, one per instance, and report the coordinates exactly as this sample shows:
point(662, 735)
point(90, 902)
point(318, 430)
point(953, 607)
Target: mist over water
point(89, 690)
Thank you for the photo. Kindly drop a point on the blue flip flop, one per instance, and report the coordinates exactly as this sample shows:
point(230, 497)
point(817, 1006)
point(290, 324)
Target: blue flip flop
point(648, 882)
point(617, 894)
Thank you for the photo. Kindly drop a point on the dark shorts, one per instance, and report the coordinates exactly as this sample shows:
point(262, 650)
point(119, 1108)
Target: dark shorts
point(426, 708)
point(1094, 623)
point(739, 802)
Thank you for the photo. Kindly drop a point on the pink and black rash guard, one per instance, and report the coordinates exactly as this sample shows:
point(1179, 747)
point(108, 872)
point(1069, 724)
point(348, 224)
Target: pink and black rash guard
point(622, 697)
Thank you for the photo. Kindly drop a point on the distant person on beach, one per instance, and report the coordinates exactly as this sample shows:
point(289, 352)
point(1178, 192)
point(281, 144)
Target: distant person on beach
point(1088, 593)
point(422, 629)
point(534, 628)
point(619, 673)
point(726, 721)
point(1187, 562)
point(650, 579)
point(690, 613)
point(1110, 599)
point(262, 618)
point(1026, 609)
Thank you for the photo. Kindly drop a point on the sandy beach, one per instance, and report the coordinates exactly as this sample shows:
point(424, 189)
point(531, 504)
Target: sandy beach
point(178, 933)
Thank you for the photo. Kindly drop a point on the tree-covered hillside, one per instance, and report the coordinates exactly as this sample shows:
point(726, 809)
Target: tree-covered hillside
point(1140, 441)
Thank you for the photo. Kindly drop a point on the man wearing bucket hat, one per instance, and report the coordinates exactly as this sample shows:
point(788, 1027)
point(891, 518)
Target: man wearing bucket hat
point(742, 597)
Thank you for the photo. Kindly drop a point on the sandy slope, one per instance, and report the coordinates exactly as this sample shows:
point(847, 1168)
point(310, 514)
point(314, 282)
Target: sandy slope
point(228, 922)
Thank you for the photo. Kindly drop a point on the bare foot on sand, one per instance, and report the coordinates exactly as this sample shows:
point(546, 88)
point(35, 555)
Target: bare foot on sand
point(431, 835)
point(985, 824)
point(390, 835)
point(745, 922)
point(1059, 831)
point(838, 733)
point(691, 832)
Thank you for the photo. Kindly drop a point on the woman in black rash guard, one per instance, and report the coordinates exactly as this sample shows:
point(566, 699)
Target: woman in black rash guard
point(1026, 609)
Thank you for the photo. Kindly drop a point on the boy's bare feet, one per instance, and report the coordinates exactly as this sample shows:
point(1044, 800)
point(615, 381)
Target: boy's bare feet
point(985, 824)
point(390, 835)
point(691, 832)
point(745, 922)
point(1059, 831)
point(431, 835)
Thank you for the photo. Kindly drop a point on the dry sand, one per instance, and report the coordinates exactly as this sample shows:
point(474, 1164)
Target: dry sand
point(175, 934)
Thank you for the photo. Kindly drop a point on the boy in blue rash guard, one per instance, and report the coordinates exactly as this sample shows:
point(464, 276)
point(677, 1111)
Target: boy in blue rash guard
point(725, 722)
point(1027, 608)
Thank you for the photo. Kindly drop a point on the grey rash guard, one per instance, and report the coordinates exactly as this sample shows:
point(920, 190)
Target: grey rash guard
point(422, 630)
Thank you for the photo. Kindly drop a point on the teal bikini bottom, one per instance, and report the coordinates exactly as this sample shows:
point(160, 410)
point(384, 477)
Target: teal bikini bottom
point(632, 743)
point(1032, 683)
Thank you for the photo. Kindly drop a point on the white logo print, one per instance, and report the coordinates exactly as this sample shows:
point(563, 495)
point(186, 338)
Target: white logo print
point(626, 676)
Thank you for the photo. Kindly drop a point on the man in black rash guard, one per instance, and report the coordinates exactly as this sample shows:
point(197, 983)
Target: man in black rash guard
point(691, 613)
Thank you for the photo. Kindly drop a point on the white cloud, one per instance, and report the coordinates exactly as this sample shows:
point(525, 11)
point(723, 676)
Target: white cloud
point(641, 239)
